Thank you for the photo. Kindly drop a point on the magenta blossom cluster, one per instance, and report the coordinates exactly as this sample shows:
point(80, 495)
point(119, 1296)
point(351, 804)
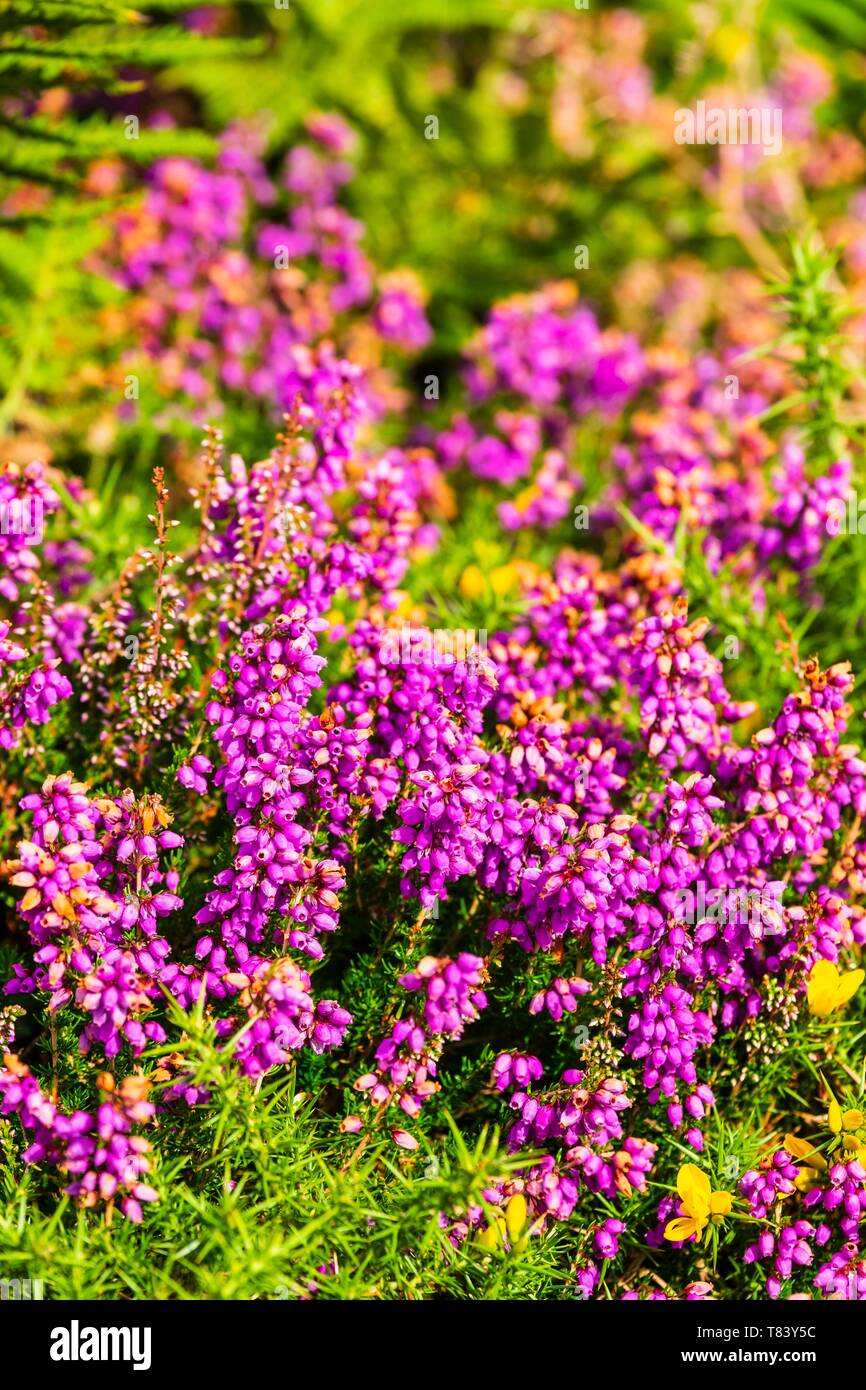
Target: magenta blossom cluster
point(95, 896)
point(103, 1160)
point(828, 1214)
point(241, 283)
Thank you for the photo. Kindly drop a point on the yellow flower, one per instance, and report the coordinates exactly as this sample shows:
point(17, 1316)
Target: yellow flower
point(729, 41)
point(828, 990)
point(472, 583)
point(507, 1228)
point(801, 1148)
point(404, 603)
point(813, 1162)
point(698, 1204)
point(504, 578)
point(515, 1216)
point(492, 1234)
point(524, 499)
point(845, 1123)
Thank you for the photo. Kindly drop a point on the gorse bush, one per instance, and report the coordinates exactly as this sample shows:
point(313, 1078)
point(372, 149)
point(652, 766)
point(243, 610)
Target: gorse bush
point(432, 802)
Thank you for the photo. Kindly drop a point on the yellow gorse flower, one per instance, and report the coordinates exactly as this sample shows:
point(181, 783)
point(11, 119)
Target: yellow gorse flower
point(801, 1148)
point(845, 1124)
point(853, 1124)
point(504, 578)
point(507, 1227)
point(729, 41)
point(828, 990)
point(813, 1161)
point(472, 584)
point(699, 1205)
point(486, 579)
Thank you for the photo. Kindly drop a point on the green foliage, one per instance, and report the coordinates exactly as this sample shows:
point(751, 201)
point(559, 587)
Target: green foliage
point(85, 50)
point(263, 1199)
point(59, 59)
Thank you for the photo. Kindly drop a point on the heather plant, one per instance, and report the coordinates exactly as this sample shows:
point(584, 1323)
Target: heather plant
point(432, 850)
